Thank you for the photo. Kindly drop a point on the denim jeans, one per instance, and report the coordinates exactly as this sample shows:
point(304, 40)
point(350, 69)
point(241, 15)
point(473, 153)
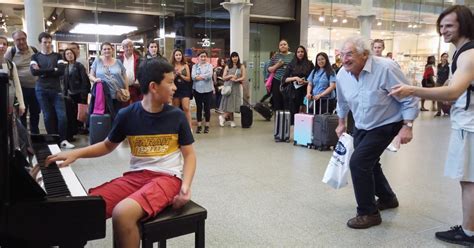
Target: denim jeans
point(32, 106)
point(367, 176)
point(54, 111)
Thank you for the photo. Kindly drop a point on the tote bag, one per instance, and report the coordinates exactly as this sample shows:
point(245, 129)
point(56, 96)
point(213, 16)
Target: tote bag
point(268, 83)
point(338, 168)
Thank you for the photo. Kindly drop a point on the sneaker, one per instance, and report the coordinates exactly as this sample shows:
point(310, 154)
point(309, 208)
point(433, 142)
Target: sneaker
point(206, 129)
point(437, 114)
point(392, 203)
point(66, 145)
point(198, 129)
point(232, 124)
point(365, 221)
point(221, 120)
point(455, 236)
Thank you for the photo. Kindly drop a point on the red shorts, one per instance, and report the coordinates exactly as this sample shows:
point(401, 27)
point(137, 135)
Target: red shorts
point(152, 190)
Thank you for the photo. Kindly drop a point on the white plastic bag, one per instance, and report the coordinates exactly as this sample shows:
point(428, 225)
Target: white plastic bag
point(338, 168)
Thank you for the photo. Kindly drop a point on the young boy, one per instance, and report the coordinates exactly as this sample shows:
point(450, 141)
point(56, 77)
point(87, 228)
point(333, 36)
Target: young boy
point(162, 160)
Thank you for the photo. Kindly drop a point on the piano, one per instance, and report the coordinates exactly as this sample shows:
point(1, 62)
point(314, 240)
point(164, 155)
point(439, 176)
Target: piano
point(40, 206)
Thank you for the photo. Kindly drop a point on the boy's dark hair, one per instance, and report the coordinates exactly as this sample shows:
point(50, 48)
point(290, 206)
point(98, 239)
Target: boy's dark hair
point(152, 70)
point(464, 18)
point(44, 35)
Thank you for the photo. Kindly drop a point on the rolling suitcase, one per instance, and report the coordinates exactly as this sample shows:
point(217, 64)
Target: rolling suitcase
point(281, 129)
point(99, 127)
point(246, 116)
point(324, 129)
point(264, 110)
point(303, 131)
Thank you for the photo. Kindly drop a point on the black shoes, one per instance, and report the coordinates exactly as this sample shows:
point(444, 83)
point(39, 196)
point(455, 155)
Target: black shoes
point(199, 129)
point(365, 221)
point(456, 236)
point(382, 205)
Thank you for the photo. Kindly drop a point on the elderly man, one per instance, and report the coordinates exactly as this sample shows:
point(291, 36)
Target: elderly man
point(21, 54)
point(363, 86)
point(131, 61)
point(456, 25)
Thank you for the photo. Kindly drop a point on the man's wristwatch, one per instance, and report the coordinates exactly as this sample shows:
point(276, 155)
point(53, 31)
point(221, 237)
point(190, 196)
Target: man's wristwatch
point(408, 124)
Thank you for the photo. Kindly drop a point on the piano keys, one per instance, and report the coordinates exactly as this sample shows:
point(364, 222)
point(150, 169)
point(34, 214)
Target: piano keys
point(58, 214)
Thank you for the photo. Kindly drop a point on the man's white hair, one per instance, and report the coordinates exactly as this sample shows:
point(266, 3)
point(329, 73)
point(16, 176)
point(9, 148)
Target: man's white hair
point(360, 43)
point(127, 41)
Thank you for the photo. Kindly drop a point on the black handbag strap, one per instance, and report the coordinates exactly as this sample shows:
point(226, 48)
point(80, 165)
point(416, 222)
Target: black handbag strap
point(469, 45)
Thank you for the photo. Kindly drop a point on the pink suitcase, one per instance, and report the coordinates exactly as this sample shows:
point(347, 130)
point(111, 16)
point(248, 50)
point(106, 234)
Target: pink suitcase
point(303, 129)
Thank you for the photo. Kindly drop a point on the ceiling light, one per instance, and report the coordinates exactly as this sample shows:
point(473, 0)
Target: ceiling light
point(410, 26)
point(334, 20)
point(379, 23)
point(103, 29)
point(344, 20)
point(321, 19)
point(415, 26)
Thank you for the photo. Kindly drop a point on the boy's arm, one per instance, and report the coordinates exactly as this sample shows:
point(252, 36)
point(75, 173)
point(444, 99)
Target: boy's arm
point(189, 168)
point(96, 150)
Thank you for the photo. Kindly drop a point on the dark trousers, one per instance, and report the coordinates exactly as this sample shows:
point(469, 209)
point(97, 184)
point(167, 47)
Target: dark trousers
point(53, 107)
point(32, 107)
point(367, 176)
point(278, 102)
point(203, 100)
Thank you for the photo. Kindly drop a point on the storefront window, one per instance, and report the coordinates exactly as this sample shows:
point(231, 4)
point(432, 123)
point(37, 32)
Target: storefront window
point(189, 25)
point(408, 28)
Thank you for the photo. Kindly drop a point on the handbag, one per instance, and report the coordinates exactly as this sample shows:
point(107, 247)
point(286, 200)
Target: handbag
point(123, 95)
point(227, 88)
point(287, 90)
point(82, 112)
point(337, 171)
point(268, 83)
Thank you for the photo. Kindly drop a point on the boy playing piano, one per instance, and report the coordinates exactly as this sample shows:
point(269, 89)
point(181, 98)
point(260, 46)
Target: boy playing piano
point(162, 161)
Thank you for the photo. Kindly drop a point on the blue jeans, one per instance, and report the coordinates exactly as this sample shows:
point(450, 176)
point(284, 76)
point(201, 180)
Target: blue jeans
point(367, 176)
point(32, 106)
point(54, 111)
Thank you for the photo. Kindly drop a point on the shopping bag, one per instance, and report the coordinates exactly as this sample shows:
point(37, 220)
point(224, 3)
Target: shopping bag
point(82, 112)
point(268, 83)
point(338, 168)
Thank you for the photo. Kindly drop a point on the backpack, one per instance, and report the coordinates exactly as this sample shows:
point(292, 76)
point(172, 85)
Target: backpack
point(13, 51)
point(465, 47)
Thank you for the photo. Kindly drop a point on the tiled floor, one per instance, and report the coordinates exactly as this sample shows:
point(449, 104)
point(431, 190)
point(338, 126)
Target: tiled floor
point(259, 193)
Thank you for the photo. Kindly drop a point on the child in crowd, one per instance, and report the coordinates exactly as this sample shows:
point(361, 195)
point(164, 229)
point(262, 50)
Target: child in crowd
point(162, 163)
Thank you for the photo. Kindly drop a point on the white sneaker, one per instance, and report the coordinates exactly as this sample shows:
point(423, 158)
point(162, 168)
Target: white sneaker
point(232, 124)
point(66, 145)
point(221, 120)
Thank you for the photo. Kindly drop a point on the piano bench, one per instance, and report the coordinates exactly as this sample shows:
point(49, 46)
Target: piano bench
point(172, 223)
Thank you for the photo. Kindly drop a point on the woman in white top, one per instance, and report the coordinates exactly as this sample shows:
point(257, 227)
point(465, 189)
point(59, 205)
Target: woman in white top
point(10, 68)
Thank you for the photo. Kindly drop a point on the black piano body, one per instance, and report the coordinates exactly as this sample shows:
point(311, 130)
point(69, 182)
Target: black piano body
point(31, 216)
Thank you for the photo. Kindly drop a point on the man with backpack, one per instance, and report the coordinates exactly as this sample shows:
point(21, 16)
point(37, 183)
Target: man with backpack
point(456, 25)
point(21, 54)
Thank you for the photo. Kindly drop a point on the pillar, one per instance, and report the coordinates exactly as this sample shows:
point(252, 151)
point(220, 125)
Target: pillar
point(304, 23)
point(366, 18)
point(34, 18)
point(239, 26)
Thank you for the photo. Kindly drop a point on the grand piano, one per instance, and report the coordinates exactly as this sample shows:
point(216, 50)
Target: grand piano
point(40, 206)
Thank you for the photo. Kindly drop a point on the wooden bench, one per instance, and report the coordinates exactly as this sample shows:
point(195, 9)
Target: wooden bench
point(172, 223)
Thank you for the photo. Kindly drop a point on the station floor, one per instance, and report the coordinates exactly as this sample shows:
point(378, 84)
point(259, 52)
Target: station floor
point(259, 193)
